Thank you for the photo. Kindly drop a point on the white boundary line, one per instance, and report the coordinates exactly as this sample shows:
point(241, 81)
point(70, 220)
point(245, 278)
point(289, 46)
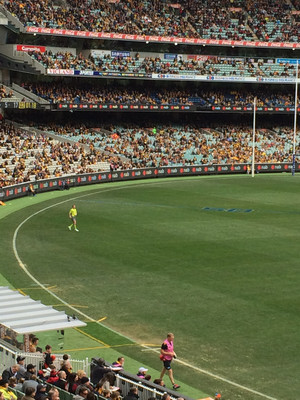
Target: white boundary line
point(24, 268)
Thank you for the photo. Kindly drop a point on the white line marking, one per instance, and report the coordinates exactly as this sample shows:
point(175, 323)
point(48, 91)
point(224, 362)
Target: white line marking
point(24, 268)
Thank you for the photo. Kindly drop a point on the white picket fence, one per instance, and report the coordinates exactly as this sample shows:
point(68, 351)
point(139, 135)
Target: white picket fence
point(8, 357)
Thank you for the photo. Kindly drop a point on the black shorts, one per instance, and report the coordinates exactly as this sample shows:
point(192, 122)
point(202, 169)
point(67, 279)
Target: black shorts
point(167, 364)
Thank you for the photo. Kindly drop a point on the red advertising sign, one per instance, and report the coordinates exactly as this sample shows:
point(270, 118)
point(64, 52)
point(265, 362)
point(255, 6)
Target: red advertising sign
point(165, 39)
point(23, 47)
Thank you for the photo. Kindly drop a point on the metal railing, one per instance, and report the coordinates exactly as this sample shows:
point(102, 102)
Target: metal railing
point(146, 389)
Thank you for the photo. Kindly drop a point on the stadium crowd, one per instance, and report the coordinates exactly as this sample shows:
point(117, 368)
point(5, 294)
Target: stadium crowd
point(266, 20)
point(55, 375)
point(28, 157)
point(188, 145)
point(4, 93)
point(205, 65)
point(59, 92)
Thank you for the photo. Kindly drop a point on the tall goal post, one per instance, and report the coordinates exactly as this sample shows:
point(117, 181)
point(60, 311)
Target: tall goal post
point(295, 119)
point(253, 138)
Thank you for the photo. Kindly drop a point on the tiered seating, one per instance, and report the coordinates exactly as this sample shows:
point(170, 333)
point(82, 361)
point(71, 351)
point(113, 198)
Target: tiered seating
point(224, 66)
point(178, 145)
point(26, 157)
point(273, 21)
point(267, 20)
point(60, 93)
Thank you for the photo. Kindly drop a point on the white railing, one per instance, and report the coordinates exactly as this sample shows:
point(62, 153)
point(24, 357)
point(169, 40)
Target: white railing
point(8, 357)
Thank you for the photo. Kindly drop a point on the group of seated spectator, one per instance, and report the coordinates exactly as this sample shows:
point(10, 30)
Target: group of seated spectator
point(188, 145)
point(47, 381)
point(4, 93)
point(202, 97)
point(264, 20)
point(26, 157)
point(133, 146)
point(206, 65)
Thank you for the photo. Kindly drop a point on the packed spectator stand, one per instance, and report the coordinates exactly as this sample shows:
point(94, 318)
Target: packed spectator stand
point(62, 150)
point(145, 64)
point(61, 93)
point(188, 145)
point(264, 20)
point(27, 157)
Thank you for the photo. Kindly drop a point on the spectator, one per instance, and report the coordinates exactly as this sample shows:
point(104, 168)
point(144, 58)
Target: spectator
point(7, 393)
point(81, 374)
point(22, 370)
point(133, 394)
point(84, 382)
point(61, 382)
point(105, 393)
point(108, 381)
point(32, 382)
point(32, 192)
point(98, 369)
point(43, 374)
point(66, 365)
point(47, 354)
point(53, 375)
point(10, 372)
point(159, 382)
point(19, 384)
point(119, 363)
point(142, 372)
point(115, 395)
point(33, 347)
point(29, 393)
point(91, 396)
point(53, 394)
point(12, 382)
point(72, 382)
point(82, 393)
point(41, 393)
point(30, 370)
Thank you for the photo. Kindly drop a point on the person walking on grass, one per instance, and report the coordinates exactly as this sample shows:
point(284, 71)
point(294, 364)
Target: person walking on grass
point(167, 354)
point(72, 216)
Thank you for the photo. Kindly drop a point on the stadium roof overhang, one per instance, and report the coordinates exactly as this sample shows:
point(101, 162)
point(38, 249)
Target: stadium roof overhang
point(24, 315)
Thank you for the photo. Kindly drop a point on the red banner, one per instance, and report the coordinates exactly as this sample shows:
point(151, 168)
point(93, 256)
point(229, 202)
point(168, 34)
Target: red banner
point(164, 39)
point(23, 47)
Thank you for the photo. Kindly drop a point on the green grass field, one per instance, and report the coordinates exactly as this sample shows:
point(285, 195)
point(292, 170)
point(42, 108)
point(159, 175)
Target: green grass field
point(180, 255)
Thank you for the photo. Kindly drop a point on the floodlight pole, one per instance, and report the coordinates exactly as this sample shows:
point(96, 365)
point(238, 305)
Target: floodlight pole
point(253, 138)
point(295, 120)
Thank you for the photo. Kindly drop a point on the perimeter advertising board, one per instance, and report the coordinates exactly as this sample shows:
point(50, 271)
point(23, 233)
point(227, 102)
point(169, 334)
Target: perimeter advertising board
point(20, 190)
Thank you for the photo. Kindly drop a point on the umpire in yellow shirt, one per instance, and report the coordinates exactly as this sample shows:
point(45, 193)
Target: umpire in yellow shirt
point(72, 216)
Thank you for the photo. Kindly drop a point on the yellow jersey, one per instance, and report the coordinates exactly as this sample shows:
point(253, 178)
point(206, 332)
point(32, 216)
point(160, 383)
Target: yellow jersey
point(73, 212)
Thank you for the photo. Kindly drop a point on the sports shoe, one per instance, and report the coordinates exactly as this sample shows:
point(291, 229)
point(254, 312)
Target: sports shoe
point(69, 228)
point(76, 230)
point(175, 387)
